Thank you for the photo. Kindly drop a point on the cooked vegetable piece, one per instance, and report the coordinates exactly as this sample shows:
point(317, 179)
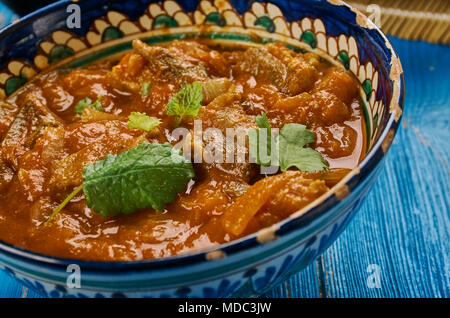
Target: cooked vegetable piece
point(141, 121)
point(285, 193)
point(213, 88)
point(236, 217)
point(294, 195)
point(145, 89)
point(338, 83)
point(331, 177)
point(300, 77)
point(91, 114)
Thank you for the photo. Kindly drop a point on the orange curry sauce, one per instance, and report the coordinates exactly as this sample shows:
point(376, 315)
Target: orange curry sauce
point(44, 146)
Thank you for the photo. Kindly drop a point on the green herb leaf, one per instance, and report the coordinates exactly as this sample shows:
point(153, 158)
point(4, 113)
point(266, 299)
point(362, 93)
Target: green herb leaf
point(63, 204)
point(87, 102)
point(292, 139)
point(289, 147)
point(145, 89)
point(141, 121)
point(262, 121)
point(186, 102)
point(147, 175)
point(260, 147)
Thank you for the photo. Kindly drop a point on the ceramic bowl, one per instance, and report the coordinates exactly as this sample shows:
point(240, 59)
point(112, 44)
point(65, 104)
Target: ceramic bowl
point(53, 37)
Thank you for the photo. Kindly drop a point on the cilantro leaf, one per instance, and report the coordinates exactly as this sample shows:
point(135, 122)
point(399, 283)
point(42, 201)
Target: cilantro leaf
point(87, 102)
point(146, 175)
point(262, 121)
point(141, 121)
point(289, 147)
point(292, 139)
point(186, 102)
point(261, 141)
point(145, 89)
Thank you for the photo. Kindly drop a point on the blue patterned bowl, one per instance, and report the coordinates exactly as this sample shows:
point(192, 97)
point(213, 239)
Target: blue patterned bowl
point(50, 38)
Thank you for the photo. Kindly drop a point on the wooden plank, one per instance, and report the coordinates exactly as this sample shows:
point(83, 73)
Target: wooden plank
point(408, 240)
point(11, 288)
point(302, 285)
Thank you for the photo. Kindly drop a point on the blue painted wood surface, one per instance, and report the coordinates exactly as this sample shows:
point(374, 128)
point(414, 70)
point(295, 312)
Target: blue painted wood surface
point(403, 226)
point(6, 15)
point(402, 229)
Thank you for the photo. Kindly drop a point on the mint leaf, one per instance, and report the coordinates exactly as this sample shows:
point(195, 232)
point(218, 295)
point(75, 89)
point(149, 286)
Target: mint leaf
point(292, 139)
point(147, 175)
point(145, 89)
point(186, 102)
point(141, 121)
point(289, 147)
point(87, 102)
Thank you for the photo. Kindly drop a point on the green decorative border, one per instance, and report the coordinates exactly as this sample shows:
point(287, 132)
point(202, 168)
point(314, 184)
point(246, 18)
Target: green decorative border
point(161, 22)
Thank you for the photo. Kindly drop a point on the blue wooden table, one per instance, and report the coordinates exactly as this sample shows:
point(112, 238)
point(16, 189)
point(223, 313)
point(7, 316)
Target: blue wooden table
point(402, 232)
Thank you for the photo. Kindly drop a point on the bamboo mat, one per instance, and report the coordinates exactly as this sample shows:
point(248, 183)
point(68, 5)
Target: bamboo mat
point(427, 20)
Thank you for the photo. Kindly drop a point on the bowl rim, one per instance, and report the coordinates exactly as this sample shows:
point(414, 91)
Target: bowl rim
point(306, 215)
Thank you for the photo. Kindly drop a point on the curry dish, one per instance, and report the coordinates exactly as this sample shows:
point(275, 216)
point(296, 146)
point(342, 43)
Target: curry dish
point(57, 126)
